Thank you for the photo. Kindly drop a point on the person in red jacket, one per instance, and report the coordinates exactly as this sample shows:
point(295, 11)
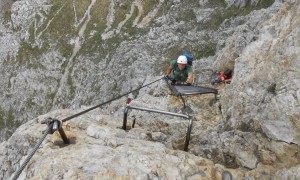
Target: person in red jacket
point(225, 77)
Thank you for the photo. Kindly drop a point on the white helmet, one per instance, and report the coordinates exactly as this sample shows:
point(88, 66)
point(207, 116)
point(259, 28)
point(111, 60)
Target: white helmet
point(182, 60)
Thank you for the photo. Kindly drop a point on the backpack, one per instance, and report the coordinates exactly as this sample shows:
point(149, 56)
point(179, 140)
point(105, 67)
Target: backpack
point(189, 58)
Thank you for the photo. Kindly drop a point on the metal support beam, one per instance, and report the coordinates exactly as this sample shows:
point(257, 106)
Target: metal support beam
point(182, 100)
point(63, 136)
point(189, 130)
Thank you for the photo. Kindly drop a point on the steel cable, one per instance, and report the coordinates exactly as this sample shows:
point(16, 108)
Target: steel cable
point(87, 110)
point(19, 171)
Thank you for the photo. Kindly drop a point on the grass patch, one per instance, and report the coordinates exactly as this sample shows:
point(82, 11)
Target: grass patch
point(164, 9)
point(95, 44)
point(120, 13)
point(221, 13)
point(79, 9)
point(186, 15)
point(71, 86)
point(2, 119)
point(59, 27)
point(8, 121)
point(128, 27)
point(28, 55)
point(208, 50)
point(6, 17)
point(50, 96)
point(93, 40)
point(148, 7)
point(31, 31)
point(264, 4)
point(214, 3)
point(30, 103)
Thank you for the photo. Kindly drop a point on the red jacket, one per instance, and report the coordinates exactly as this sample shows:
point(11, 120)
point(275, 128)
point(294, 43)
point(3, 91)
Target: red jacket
point(225, 78)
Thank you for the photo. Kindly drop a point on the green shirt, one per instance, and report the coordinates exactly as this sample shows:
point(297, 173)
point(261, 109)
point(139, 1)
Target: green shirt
point(179, 75)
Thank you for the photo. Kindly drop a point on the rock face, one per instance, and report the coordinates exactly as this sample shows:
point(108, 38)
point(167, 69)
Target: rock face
point(266, 82)
point(251, 131)
point(57, 54)
point(99, 149)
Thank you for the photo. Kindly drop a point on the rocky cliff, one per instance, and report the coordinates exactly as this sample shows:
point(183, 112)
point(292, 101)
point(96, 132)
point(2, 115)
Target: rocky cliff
point(59, 54)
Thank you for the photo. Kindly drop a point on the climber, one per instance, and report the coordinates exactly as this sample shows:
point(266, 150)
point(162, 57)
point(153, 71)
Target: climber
point(225, 77)
point(179, 71)
point(129, 99)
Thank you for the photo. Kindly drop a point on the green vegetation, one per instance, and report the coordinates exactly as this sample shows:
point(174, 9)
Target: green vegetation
point(30, 103)
point(94, 43)
point(264, 4)
point(214, 3)
point(245, 127)
point(98, 21)
point(62, 24)
point(173, 52)
point(128, 27)
point(208, 50)
point(7, 17)
point(164, 8)
point(50, 96)
point(187, 15)
point(59, 27)
point(272, 88)
point(96, 26)
point(31, 31)
point(148, 6)
point(120, 13)
point(71, 86)
point(28, 55)
point(96, 87)
point(79, 9)
point(2, 119)
point(8, 122)
point(221, 13)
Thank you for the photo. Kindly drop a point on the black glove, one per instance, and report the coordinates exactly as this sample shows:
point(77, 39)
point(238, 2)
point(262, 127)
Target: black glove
point(173, 81)
point(188, 84)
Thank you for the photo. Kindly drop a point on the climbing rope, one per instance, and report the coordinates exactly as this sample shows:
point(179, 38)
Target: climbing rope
point(51, 123)
point(19, 171)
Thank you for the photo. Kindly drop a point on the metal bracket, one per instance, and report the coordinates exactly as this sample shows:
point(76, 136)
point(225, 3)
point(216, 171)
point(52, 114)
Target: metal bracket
point(189, 130)
point(57, 125)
